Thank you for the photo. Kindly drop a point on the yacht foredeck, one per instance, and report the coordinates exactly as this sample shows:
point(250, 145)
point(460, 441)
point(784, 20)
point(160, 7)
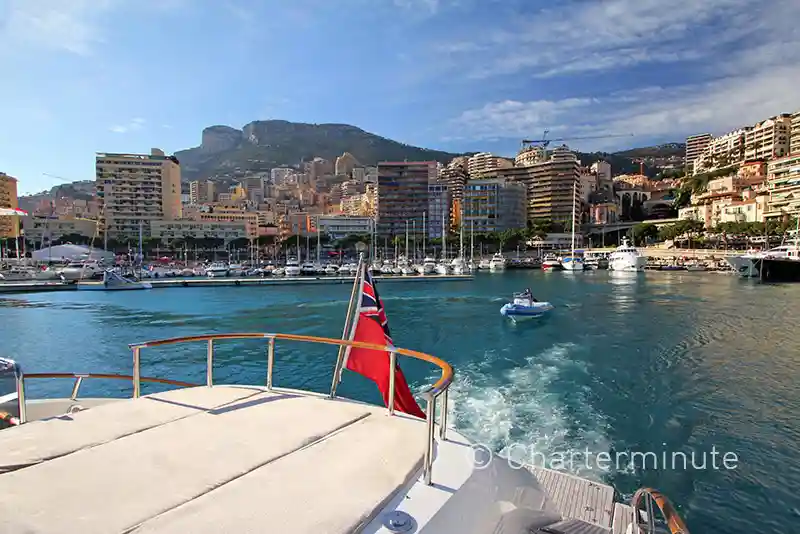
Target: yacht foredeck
point(208, 459)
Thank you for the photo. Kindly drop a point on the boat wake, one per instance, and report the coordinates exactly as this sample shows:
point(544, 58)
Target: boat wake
point(535, 412)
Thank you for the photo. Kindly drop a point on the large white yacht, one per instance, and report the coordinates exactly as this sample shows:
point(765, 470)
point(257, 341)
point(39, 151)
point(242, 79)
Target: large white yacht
point(747, 265)
point(497, 263)
point(626, 258)
point(212, 458)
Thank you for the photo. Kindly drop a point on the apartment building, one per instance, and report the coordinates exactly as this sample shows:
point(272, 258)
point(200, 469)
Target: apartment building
point(9, 224)
point(46, 230)
point(454, 176)
point(402, 195)
point(768, 139)
point(794, 141)
point(136, 189)
point(339, 226)
point(494, 205)
point(723, 151)
point(783, 185)
point(484, 162)
point(439, 205)
point(201, 191)
point(231, 214)
point(170, 231)
point(695, 146)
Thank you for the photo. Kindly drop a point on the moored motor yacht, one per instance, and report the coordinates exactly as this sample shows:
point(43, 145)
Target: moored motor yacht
point(497, 263)
point(748, 265)
point(308, 269)
point(217, 270)
point(484, 264)
point(428, 266)
point(551, 263)
point(292, 267)
point(626, 258)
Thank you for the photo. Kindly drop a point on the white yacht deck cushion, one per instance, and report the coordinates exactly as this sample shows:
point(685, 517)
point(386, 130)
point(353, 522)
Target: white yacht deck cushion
point(114, 486)
point(334, 486)
point(39, 441)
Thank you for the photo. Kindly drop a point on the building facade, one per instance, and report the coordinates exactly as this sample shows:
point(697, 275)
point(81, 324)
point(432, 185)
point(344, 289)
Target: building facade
point(484, 162)
point(695, 146)
point(768, 139)
point(46, 230)
point(170, 231)
point(402, 196)
point(494, 205)
point(9, 224)
point(794, 141)
point(201, 191)
point(783, 184)
point(136, 189)
point(439, 215)
point(339, 226)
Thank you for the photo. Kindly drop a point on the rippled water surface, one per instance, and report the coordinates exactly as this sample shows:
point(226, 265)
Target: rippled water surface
point(662, 362)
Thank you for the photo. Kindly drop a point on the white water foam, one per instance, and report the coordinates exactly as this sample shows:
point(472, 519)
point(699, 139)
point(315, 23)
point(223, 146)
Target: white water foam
point(524, 407)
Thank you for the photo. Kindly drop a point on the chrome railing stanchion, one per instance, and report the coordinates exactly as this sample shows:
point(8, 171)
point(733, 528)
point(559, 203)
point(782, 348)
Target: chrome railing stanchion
point(443, 419)
point(392, 372)
point(76, 387)
point(429, 435)
point(21, 401)
point(270, 362)
point(210, 363)
point(136, 372)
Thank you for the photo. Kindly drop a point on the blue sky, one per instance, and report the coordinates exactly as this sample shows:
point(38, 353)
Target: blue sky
point(81, 76)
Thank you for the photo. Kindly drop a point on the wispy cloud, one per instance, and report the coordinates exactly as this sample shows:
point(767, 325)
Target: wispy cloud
point(132, 126)
point(54, 24)
point(716, 106)
point(575, 36)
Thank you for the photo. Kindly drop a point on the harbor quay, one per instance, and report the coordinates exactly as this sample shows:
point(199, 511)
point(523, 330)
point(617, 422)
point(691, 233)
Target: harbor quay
point(38, 285)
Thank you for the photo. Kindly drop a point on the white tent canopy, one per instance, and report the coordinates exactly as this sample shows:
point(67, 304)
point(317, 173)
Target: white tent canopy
point(71, 253)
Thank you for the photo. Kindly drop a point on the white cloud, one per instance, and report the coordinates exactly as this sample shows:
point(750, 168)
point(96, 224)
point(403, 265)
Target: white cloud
point(716, 106)
point(132, 126)
point(71, 26)
point(574, 36)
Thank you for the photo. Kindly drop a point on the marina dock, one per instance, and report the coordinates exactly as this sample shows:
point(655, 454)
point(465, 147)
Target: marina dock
point(37, 286)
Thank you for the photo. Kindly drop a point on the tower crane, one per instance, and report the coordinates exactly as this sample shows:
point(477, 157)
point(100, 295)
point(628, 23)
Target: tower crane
point(544, 142)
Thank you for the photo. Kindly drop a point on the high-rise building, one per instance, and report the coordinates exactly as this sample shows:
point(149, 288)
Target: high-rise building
point(402, 197)
point(201, 191)
point(695, 145)
point(552, 184)
point(439, 205)
point(135, 189)
point(768, 139)
point(279, 175)
point(794, 143)
point(494, 205)
point(9, 225)
point(345, 164)
point(484, 162)
point(454, 176)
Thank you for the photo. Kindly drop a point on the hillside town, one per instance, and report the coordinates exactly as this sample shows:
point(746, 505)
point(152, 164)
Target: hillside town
point(735, 182)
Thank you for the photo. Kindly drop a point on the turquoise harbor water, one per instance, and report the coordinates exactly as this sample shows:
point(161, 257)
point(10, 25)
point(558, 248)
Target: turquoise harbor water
point(677, 362)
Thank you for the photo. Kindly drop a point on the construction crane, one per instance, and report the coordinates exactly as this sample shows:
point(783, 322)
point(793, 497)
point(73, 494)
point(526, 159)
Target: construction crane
point(544, 142)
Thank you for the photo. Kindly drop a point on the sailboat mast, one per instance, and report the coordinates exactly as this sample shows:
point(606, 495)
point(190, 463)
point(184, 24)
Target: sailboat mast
point(444, 238)
point(471, 240)
point(407, 240)
point(318, 240)
point(424, 236)
point(461, 234)
point(574, 193)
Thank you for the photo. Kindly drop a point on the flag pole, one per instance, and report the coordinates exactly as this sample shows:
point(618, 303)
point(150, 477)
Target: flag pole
point(348, 331)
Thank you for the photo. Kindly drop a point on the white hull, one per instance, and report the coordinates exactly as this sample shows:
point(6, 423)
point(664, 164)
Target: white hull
point(99, 286)
point(633, 265)
point(292, 271)
point(744, 266)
